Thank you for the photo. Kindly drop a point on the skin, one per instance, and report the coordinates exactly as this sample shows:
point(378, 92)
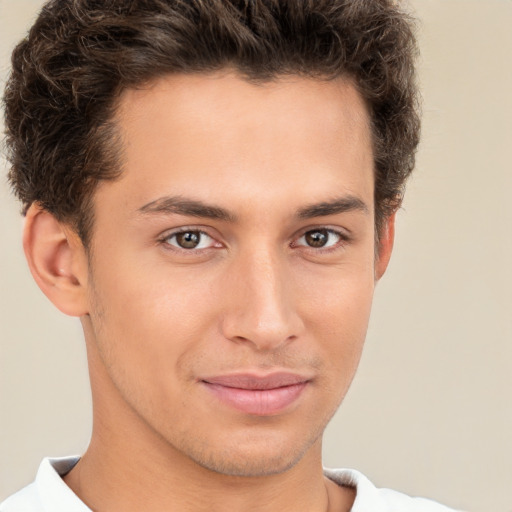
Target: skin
point(253, 297)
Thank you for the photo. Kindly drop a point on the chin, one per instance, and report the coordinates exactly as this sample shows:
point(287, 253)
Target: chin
point(255, 466)
point(252, 457)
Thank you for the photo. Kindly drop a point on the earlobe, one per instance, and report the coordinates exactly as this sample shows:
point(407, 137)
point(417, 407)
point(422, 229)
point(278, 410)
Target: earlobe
point(57, 260)
point(385, 248)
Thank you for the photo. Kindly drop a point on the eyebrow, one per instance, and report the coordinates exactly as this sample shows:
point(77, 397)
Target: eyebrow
point(194, 208)
point(339, 205)
point(183, 206)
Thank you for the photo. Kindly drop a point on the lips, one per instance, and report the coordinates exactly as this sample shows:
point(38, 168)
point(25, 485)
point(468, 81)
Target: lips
point(258, 395)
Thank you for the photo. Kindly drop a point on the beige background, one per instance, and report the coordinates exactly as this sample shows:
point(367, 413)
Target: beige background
point(430, 412)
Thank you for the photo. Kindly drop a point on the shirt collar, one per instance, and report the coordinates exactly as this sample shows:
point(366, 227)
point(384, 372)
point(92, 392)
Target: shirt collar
point(55, 494)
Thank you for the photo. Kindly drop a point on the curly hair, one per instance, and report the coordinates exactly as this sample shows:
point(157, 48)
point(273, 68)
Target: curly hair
point(68, 73)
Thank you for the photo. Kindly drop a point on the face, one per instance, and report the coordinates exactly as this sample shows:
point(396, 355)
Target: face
point(232, 267)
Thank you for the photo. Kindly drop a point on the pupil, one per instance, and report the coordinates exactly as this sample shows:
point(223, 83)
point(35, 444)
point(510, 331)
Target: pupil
point(188, 239)
point(317, 238)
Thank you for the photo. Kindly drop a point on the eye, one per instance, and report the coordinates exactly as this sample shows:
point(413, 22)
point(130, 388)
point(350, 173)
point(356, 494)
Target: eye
point(190, 239)
point(320, 238)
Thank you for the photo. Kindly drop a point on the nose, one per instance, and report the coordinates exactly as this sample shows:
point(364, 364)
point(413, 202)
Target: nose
point(262, 309)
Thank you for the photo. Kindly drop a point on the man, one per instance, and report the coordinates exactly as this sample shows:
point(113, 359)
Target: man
point(211, 187)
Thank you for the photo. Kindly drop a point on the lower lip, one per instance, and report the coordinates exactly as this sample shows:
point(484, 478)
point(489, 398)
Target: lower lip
point(260, 402)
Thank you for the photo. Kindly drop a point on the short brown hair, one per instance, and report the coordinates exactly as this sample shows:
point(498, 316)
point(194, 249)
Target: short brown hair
point(68, 73)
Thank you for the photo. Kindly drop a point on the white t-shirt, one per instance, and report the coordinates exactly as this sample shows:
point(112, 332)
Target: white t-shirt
point(49, 493)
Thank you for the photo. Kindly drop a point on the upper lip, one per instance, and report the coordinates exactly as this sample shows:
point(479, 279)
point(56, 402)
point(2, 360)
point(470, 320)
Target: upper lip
point(257, 382)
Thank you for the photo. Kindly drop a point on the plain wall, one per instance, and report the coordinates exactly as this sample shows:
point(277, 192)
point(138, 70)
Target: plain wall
point(430, 411)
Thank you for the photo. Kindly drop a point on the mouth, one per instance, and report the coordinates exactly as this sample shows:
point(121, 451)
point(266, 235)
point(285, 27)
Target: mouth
point(265, 395)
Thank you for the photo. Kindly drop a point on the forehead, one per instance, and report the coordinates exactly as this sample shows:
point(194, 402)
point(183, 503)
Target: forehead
point(205, 102)
point(219, 134)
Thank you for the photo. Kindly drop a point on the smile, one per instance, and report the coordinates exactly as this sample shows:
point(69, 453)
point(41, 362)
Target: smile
point(262, 396)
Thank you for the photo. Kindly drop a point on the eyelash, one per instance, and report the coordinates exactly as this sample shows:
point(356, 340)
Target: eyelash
point(342, 240)
point(164, 240)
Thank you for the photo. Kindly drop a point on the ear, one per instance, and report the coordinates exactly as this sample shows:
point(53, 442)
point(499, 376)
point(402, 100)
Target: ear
point(385, 247)
point(57, 260)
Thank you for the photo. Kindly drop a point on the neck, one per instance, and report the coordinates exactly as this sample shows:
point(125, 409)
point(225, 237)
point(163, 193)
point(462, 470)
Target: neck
point(131, 483)
point(116, 474)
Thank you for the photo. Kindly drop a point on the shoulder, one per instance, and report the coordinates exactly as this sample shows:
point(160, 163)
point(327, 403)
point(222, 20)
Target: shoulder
point(26, 500)
point(48, 492)
point(369, 497)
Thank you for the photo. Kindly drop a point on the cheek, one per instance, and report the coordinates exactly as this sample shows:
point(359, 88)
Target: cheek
point(145, 323)
point(337, 315)
point(338, 300)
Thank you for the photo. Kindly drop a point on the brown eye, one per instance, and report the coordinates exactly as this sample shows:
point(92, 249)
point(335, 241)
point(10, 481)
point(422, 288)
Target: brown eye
point(188, 239)
point(318, 238)
point(321, 238)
